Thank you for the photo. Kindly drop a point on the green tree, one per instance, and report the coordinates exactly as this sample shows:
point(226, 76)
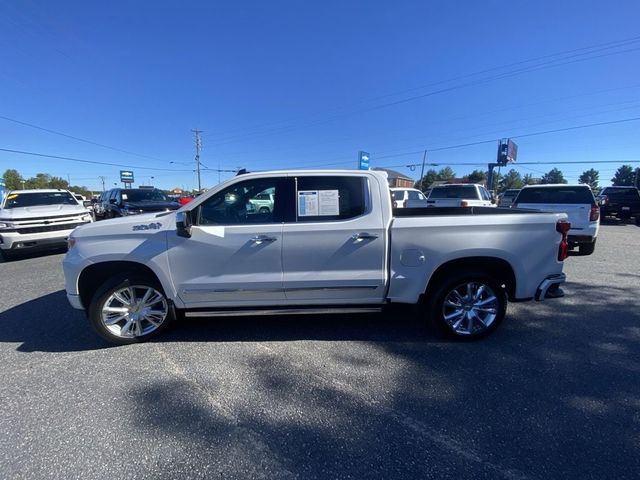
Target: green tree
point(57, 182)
point(477, 176)
point(529, 179)
point(41, 180)
point(82, 190)
point(425, 182)
point(12, 179)
point(511, 180)
point(446, 174)
point(623, 177)
point(553, 176)
point(590, 177)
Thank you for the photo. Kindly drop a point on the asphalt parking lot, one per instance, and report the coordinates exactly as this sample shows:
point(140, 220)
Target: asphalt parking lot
point(554, 393)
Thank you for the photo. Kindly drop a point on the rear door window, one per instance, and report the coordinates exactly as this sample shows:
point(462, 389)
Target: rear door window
point(556, 195)
point(320, 198)
point(454, 191)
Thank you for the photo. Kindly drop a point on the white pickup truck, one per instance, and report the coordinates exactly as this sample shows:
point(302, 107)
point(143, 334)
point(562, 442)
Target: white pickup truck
point(331, 243)
point(460, 195)
point(37, 219)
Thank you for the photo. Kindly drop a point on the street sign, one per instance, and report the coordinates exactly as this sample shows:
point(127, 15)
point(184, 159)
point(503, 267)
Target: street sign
point(512, 151)
point(363, 160)
point(507, 152)
point(126, 176)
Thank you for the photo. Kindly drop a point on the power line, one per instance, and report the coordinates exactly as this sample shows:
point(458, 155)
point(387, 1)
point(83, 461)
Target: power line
point(79, 139)
point(606, 45)
point(544, 65)
point(523, 135)
point(95, 162)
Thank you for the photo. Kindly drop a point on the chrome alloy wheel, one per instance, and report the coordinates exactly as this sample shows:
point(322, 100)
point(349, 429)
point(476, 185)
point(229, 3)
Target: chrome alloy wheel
point(470, 308)
point(134, 311)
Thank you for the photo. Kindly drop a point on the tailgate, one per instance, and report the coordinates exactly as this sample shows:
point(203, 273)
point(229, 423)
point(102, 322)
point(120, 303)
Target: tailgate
point(578, 213)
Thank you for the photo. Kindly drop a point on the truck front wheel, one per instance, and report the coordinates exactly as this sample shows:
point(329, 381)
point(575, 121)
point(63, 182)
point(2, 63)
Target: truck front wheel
point(129, 309)
point(467, 305)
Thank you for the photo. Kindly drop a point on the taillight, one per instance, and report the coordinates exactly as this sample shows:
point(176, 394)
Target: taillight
point(563, 227)
point(595, 213)
point(464, 203)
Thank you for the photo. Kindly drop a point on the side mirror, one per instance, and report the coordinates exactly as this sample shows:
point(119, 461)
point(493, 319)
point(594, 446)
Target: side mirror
point(113, 201)
point(183, 224)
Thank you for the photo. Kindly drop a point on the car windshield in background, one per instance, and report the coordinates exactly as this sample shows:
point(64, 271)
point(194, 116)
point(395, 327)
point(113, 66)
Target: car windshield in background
point(144, 196)
point(397, 194)
point(455, 191)
point(36, 199)
point(567, 195)
point(630, 192)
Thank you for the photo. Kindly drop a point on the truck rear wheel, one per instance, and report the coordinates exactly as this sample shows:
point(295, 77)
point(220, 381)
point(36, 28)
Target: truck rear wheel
point(128, 309)
point(467, 305)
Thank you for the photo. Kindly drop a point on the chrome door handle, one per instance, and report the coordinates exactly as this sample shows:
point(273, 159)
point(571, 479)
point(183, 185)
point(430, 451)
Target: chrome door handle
point(260, 239)
point(358, 237)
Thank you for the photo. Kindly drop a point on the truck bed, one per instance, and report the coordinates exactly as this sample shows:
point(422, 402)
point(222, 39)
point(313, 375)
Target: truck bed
point(454, 211)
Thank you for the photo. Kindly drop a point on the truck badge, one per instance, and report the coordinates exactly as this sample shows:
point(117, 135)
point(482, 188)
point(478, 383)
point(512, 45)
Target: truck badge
point(151, 226)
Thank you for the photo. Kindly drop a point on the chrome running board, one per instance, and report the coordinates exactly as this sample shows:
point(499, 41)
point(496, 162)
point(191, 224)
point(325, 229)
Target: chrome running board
point(281, 311)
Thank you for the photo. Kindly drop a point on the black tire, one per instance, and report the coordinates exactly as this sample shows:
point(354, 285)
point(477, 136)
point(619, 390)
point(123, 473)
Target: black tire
point(264, 210)
point(471, 318)
point(147, 327)
point(587, 248)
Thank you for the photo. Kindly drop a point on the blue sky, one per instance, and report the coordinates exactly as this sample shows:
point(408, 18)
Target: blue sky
point(303, 84)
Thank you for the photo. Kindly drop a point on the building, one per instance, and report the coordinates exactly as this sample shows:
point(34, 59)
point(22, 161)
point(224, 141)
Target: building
point(397, 179)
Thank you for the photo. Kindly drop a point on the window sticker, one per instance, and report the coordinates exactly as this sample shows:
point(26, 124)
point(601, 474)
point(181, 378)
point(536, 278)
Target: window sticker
point(308, 203)
point(11, 197)
point(329, 202)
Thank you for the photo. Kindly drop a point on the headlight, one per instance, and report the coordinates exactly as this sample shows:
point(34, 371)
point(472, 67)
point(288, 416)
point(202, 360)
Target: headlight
point(6, 225)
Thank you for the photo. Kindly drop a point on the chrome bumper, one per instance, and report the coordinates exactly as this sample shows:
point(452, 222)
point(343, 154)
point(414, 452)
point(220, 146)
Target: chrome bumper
point(550, 281)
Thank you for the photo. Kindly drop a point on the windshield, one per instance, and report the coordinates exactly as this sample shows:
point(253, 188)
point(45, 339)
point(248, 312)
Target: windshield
point(36, 199)
point(566, 195)
point(144, 196)
point(456, 191)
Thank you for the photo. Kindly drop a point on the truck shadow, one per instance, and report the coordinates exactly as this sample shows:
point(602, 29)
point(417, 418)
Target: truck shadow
point(562, 371)
point(49, 324)
point(17, 257)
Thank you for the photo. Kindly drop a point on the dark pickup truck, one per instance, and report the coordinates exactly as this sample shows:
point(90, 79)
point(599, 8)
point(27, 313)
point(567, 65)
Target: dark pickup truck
point(621, 202)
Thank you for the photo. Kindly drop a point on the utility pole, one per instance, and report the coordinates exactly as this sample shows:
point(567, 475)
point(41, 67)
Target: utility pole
point(424, 157)
point(102, 179)
point(198, 140)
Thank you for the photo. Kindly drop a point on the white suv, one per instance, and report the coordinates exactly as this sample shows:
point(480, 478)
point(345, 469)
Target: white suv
point(577, 201)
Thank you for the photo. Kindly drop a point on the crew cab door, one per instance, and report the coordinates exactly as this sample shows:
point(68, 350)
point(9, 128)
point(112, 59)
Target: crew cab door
point(234, 254)
point(334, 249)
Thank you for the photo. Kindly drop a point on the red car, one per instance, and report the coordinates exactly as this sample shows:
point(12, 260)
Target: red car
point(185, 200)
